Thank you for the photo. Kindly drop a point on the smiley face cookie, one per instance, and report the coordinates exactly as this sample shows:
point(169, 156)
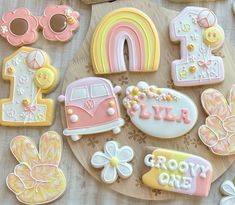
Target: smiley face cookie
point(153, 110)
point(199, 34)
point(30, 74)
point(177, 172)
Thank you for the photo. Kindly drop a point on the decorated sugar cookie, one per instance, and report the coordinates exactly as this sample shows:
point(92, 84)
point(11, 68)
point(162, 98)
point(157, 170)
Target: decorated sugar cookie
point(178, 172)
point(153, 110)
point(228, 190)
point(134, 27)
point(218, 133)
point(19, 27)
point(114, 161)
point(59, 22)
point(30, 74)
point(37, 179)
point(91, 106)
point(199, 34)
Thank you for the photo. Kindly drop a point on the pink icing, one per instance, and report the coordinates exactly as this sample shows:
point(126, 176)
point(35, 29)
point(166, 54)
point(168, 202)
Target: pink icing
point(143, 113)
point(184, 116)
point(115, 43)
point(158, 110)
point(31, 34)
point(168, 116)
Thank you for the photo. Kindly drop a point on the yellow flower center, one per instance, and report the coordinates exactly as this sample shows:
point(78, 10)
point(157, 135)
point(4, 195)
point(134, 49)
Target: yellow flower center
point(114, 161)
point(135, 91)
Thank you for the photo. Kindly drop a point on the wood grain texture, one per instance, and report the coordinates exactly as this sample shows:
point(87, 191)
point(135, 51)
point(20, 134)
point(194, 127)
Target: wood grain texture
point(94, 1)
point(130, 135)
point(82, 188)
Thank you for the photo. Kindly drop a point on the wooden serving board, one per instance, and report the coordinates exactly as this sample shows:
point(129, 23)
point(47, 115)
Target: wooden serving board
point(95, 1)
point(81, 67)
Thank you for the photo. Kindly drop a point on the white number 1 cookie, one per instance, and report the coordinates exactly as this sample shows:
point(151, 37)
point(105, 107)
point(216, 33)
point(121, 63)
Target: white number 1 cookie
point(199, 34)
point(30, 74)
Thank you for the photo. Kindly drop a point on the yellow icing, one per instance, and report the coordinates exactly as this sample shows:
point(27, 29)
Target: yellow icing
point(37, 178)
point(212, 36)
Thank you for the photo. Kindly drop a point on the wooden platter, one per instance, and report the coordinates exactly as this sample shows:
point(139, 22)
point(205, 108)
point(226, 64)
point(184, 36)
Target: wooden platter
point(81, 67)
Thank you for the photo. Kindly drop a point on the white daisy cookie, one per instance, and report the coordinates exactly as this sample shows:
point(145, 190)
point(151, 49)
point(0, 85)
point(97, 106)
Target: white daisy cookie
point(228, 190)
point(114, 161)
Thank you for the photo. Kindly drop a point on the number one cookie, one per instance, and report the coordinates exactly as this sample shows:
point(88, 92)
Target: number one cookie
point(199, 34)
point(30, 74)
point(134, 27)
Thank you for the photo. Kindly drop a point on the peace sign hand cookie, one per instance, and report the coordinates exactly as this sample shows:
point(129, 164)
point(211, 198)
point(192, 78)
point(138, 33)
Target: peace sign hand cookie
point(37, 178)
point(218, 133)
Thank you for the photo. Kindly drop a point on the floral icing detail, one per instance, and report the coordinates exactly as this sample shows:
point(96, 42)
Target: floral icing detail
point(71, 22)
point(114, 161)
point(227, 188)
point(218, 133)
point(37, 179)
point(31, 26)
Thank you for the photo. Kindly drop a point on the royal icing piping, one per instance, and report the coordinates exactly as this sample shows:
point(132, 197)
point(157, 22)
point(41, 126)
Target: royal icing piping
point(19, 27)
point(37, 179)
point(199, 34)
point(153, 110)
point(30, 74)
point(134, 27)
point(114, 161)
point(58, 22)
point(218, 133)
point(178, 172)
point(227, 188)
point(91, 106)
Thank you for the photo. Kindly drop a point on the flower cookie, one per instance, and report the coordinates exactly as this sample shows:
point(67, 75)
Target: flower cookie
point(218, 133)
point(59, 22)
point(37, 179)
point(91, 106)
point(114, 161)
point(178, 172)
point(153, 110)
point(30, 74)
point(19, 27)
point(199, 34)
point(228, 190)
point(125, 25)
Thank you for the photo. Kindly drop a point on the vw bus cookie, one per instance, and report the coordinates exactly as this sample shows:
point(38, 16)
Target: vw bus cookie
point(31, 75)
point(91, 107)
point(153, 110)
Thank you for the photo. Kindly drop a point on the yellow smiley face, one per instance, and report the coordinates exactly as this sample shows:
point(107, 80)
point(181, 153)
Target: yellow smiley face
point(212, 36)
point(44, 78)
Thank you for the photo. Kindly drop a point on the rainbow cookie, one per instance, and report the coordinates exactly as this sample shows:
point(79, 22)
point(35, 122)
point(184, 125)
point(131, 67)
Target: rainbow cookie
point(178, 172)
point(30, 74)
point(134, 27)
point(199, 34)
point(218, 133)
point(153, 110)
point(91, 107)
point(37, 179)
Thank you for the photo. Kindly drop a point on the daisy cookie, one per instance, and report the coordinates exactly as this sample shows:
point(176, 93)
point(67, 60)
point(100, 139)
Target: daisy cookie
point(30, 74)
point(114, 161)
point(153, 110)
point(198, 31)
point(37, 179)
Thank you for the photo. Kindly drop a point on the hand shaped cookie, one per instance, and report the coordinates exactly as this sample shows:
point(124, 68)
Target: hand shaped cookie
point(37, 178)
point(219, 131)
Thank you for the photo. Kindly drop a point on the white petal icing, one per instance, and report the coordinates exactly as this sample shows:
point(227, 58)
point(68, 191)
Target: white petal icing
point(227, 189)
point(111, 148)
point(228, 200)
point(99, 159)
point(125, 154)
point(125, 170)
point(109, 174)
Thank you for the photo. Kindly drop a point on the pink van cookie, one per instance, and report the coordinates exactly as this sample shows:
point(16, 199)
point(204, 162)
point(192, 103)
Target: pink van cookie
point(58, 22)
point(91, 107)
point(19, 27)
point(199, 34)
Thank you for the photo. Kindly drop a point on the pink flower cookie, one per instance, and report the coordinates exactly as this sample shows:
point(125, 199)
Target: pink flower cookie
point(218, 133)
point(59, 22)
point(19, 27)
